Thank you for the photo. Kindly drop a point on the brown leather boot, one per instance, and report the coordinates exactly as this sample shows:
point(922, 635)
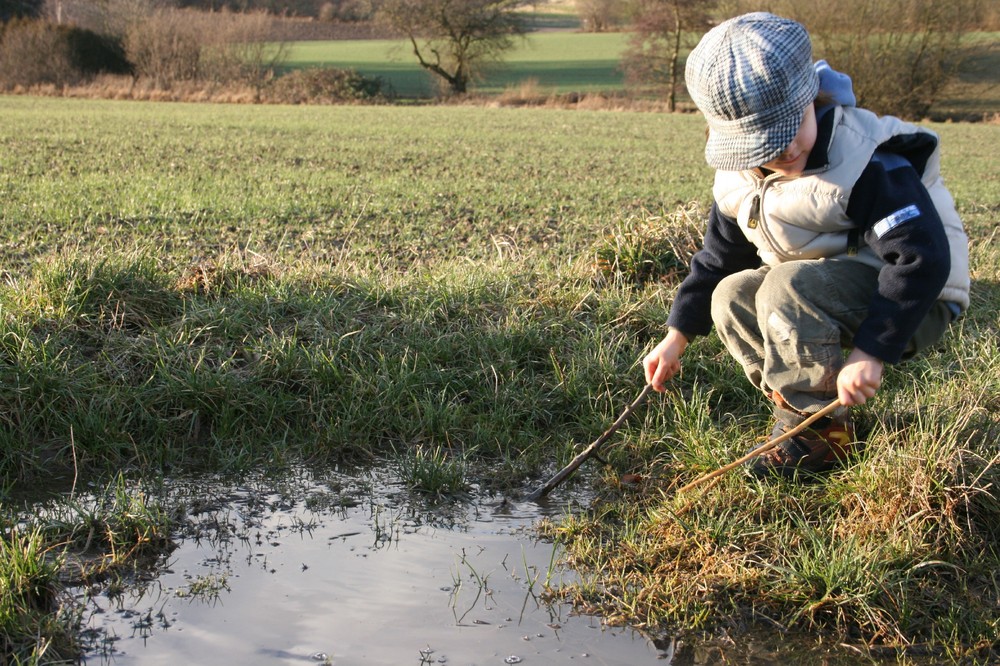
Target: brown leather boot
point(817, 449)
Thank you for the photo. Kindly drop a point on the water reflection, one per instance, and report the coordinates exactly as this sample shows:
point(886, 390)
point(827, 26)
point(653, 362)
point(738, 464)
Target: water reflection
point(340, 569)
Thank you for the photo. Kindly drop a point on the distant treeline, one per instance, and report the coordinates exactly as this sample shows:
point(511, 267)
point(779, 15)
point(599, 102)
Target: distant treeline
point(138, 49)
point(328, 9)
point(14, 9)
point(286, 7)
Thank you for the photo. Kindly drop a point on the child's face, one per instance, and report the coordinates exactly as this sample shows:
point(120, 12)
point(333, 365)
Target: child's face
point(792, 161)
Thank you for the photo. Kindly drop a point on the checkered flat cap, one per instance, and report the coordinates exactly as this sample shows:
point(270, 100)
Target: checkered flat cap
point(752, 77)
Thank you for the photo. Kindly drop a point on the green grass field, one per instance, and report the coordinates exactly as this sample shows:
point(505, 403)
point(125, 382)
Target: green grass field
point(559, 62)
point(198, 286)
point(422, 184)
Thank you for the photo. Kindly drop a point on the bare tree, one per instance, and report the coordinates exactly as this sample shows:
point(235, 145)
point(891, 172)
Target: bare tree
point(601, 15)
point(653, 56)
point(455, 39)
point(168, 45)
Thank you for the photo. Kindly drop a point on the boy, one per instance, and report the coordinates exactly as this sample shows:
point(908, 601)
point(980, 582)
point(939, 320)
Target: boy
point(830, 228)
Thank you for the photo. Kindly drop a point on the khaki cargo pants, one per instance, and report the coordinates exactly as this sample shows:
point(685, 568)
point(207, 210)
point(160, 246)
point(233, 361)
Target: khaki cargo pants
point(788, 325)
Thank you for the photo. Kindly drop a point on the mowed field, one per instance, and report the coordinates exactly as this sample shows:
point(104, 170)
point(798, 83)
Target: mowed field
point(558, 61)
point(428, 183)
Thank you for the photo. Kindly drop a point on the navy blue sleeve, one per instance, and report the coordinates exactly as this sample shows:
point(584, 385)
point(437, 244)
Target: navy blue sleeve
point(892, 208)
point(725, 251)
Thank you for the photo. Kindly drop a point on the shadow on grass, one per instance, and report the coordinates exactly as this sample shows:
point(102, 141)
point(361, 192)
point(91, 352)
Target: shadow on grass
point(111, 362)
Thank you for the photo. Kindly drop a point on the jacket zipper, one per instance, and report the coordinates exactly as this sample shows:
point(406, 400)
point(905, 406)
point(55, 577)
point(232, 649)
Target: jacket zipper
point(756, 218)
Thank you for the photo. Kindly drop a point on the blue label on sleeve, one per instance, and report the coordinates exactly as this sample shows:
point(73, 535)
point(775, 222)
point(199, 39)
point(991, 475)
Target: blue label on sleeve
point(887, 224)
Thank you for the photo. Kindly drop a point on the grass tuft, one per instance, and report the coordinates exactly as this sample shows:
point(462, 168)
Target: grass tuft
point(433, 471)
point(650, 248)
point(30, 626)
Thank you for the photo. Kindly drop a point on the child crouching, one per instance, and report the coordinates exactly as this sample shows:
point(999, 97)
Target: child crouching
point(831, 229)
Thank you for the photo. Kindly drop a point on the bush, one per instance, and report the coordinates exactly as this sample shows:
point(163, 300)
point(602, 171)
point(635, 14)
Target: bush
point(900, 56)
point(170, 46)
point(20, 9)
point(244, 51)
point(38, 52)
point(165, 46)
point(35, 52)
point(328, 85)
point(347, 11)
point(94, 54)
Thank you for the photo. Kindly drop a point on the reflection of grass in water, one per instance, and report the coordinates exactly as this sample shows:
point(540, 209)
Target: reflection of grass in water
point(95, 539)
point(458, 577)
point(385, 526)
point(527, 577)
point(205, 588)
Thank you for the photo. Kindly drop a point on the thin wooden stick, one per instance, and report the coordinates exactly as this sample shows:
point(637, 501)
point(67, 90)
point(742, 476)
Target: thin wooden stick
point(76, 471)
point(765, 447)
point(590, 450)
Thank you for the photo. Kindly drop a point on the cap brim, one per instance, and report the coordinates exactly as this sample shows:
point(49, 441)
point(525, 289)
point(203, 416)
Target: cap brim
point(742, 151)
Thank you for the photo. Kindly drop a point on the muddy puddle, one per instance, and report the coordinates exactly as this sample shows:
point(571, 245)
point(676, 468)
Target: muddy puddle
point(339, 569)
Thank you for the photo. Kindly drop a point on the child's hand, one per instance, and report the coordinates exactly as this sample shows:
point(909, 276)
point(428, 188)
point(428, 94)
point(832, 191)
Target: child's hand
point(665, 360)
point(859, 379)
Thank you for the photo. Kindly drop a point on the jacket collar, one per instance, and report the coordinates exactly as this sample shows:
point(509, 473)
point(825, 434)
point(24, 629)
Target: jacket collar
point(819, 155)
